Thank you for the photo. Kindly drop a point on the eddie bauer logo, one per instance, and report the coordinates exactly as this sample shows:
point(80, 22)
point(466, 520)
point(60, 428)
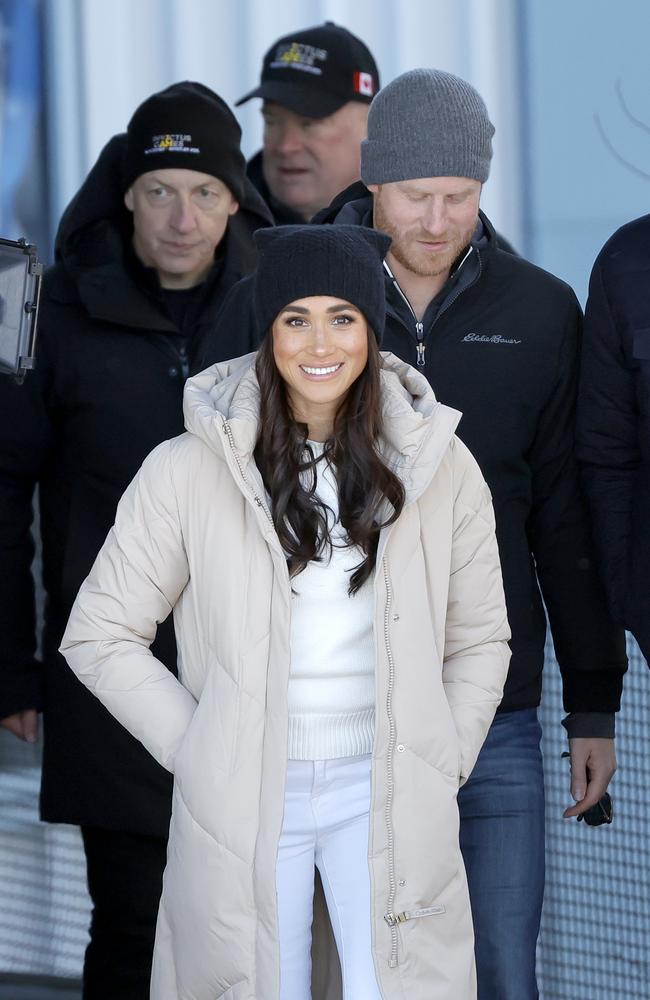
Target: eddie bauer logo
point(487, 338)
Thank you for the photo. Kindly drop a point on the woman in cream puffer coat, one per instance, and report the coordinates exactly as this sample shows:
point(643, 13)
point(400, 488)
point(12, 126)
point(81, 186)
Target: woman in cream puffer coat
point(193, 535)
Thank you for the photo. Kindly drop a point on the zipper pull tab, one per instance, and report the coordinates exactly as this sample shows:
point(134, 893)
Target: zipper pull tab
point(420, 348)
point(393, 919)
point(185, 364)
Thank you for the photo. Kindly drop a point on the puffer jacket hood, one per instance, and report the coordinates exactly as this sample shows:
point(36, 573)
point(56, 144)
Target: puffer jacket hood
point(416, 427)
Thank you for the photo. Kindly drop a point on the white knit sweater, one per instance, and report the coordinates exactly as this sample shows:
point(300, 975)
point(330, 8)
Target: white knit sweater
point(332, 677)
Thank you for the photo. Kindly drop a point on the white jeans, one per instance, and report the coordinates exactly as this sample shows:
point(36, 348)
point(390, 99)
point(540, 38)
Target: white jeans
point(326, 812)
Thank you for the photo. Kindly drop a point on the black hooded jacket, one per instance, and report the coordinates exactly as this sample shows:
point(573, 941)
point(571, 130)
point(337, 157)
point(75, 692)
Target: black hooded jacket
point(113, 350)
point(613, 441)
point(500, 343)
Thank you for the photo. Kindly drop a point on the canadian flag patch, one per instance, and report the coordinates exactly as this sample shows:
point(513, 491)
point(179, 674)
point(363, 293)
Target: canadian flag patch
point(363, 84)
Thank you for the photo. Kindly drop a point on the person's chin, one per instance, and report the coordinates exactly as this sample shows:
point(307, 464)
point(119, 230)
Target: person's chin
point(431, 260)
point(294, 191)
point(178, 263)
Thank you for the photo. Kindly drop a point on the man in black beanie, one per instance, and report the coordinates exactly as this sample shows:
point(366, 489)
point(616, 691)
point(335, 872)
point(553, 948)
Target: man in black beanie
point(146, 251)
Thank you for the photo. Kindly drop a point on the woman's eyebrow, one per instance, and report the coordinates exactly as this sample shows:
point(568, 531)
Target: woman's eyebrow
point(343, 307)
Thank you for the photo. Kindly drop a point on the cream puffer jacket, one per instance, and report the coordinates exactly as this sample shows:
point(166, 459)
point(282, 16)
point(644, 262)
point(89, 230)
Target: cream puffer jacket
point(193, 535)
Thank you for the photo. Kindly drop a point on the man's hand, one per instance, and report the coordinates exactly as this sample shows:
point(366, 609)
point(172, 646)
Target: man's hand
point(593, 765)
point(24, 725)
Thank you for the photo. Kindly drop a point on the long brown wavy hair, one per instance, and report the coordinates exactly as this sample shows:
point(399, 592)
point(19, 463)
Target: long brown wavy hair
point(287, 463)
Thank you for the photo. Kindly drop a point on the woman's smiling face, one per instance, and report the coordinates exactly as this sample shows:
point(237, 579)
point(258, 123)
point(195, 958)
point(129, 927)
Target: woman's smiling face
point(320, 347)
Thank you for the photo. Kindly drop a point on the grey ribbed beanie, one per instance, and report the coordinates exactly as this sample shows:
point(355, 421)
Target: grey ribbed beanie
point(427, 123)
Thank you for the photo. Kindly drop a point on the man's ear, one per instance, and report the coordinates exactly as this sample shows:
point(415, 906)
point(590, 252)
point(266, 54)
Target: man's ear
point(373, 188)
point(128, 199)
point(234, 207)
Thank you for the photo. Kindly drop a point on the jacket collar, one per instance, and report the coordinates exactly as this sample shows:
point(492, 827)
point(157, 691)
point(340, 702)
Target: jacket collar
point(417, 428)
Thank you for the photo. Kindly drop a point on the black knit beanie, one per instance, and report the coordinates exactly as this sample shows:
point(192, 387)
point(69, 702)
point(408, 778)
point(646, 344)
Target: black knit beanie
point(295, 262)
point(187, 126)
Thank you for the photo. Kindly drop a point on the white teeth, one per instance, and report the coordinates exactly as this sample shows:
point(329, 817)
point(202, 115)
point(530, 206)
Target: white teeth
point(320, 371)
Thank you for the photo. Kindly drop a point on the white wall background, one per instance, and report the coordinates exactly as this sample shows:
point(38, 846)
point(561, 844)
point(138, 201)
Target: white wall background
point(577, 189)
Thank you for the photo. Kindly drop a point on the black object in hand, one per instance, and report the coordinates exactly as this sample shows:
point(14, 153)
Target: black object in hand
point(602, 812)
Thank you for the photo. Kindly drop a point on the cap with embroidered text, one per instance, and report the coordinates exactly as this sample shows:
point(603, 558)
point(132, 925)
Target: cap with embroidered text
point(316, 71)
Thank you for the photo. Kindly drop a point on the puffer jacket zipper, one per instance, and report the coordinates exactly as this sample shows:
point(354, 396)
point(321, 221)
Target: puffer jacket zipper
point(420, 347)
point(390, 777)
point(392, 919)
point(258, 500)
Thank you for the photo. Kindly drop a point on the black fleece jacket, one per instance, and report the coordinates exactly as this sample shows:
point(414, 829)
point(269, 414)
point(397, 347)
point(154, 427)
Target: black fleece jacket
point(113, 350)
point(613, 436)
point(500, 343)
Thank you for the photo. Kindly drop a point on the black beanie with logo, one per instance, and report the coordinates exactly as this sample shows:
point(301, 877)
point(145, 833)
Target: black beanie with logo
point(185, 126)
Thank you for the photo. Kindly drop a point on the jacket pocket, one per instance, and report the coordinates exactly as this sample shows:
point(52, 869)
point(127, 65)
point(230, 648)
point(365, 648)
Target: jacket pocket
point(641, 344)
point(239, 991)
point(211, 736)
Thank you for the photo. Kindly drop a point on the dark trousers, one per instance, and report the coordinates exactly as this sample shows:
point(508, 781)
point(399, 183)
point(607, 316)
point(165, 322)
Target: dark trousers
point(125, 881)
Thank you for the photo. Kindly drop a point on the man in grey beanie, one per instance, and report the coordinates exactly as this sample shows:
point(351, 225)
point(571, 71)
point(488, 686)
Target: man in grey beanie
point(498, 339)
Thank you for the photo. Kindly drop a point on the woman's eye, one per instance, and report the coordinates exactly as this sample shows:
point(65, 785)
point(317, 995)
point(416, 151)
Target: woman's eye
point(296, 321)
point(343, 320)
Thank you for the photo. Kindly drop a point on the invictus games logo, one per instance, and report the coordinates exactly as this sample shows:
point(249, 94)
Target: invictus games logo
point(171, 143)
point(298, 56)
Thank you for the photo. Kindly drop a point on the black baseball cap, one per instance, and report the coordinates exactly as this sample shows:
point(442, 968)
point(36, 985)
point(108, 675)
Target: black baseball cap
point(316, 71)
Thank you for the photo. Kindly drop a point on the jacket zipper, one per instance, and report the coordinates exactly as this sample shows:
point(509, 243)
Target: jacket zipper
point(258, 500)
point(185, 361)
point(392, 883)
point(420, 347)
point(419, 327)
point(392, 919)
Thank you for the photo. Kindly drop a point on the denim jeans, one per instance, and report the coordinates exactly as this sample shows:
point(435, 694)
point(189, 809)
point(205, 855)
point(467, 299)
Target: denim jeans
point(502, 840)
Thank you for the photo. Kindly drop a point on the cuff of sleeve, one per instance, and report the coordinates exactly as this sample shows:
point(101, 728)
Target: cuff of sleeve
point(21, 689)
point(590, 725)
